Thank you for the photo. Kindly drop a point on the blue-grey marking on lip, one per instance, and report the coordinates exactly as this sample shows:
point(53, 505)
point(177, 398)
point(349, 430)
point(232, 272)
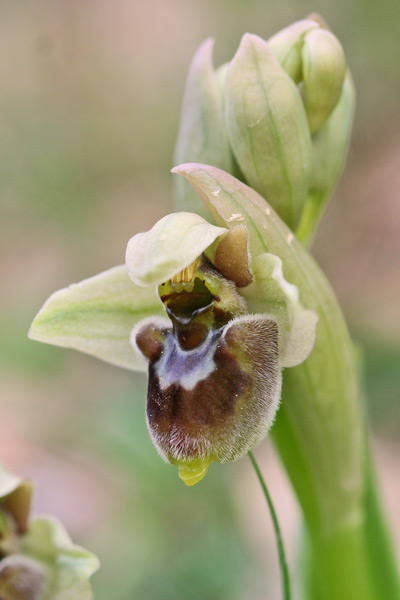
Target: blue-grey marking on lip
point(186, 367)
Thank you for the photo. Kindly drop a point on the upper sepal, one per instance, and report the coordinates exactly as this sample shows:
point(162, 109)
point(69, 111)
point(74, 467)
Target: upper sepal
point(169, 247)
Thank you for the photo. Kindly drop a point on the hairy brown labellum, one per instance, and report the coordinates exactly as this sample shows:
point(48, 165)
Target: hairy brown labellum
point(214, 378)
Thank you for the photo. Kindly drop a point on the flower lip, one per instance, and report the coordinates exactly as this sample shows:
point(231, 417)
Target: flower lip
point(215, 401)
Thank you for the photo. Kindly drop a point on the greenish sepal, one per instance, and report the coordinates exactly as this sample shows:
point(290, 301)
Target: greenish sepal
point(171, 245)
point(68, 566)
point(202, 135)
point(286, 45)
point(324, 68)
point(96, 316)
point(268, 128)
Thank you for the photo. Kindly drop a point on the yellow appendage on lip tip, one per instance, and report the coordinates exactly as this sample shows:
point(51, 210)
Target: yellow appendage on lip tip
point(192, 473)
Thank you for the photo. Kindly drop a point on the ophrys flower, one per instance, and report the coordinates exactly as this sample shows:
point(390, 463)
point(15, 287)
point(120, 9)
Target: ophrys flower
point(214, 363)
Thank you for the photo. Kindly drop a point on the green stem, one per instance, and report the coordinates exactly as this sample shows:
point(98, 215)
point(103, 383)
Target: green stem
point(356, 562)
point(379, 543)
point(279, 540)
point(310, 218)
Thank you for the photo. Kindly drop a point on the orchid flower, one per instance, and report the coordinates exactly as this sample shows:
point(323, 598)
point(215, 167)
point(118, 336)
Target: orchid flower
point(38, 560)
point(212, 319)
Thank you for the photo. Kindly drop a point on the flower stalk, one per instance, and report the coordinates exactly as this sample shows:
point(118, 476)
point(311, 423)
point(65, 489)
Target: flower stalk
point(279, 541)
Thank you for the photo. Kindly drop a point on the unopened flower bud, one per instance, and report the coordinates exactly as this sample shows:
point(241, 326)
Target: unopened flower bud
point(255, 116)
point(324, 67)
point(287, 45)
point(268, 128)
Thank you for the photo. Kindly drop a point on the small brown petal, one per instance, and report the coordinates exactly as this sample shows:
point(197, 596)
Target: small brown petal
point(232, 256)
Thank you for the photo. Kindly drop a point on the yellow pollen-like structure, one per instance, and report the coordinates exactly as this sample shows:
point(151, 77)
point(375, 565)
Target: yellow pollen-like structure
point(184, 279)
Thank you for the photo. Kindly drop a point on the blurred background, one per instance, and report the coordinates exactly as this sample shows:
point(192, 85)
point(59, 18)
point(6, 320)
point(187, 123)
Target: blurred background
point(90, 99)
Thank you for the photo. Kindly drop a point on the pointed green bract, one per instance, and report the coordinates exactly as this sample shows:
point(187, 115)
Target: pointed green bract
point(96, 316)
point(267, 128)
point(326, 418)
point(202, 135)
point(172, 244)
